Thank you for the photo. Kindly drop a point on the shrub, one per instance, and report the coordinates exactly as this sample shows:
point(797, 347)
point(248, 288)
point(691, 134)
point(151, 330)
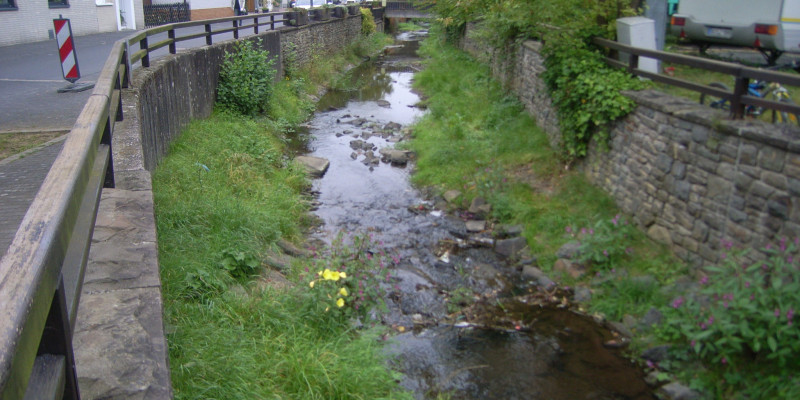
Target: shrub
point(368, 26)
point(246, 79)
point(605, 243)
point(743, 314)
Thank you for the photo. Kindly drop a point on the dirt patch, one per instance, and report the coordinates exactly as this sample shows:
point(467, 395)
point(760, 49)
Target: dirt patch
point(17, 142)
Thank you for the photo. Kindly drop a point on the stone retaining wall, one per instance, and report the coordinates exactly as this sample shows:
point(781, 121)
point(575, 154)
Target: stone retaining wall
point(689, 176)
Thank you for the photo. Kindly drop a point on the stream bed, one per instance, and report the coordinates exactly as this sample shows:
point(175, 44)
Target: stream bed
point(512, 339)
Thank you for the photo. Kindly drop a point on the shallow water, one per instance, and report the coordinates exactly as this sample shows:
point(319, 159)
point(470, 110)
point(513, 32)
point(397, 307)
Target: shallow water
point(522, 350)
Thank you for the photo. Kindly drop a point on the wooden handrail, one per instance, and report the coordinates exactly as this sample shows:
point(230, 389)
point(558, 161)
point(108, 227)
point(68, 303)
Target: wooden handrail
point(42, 271)
point(741, 74)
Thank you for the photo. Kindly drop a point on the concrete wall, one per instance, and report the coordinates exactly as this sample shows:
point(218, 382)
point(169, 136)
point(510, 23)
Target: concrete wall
point(165, 97)
point(690, 177)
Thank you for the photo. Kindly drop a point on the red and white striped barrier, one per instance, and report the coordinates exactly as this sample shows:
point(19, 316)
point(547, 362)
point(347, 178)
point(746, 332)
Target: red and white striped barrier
point(66, 50)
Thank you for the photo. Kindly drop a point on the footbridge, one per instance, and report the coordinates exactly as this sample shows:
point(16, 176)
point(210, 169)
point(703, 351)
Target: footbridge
point(408, 9)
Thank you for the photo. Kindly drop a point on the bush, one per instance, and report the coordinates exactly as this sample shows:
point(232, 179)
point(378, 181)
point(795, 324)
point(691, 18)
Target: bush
point(742, 318)
point(246, 79)
point(368, 26)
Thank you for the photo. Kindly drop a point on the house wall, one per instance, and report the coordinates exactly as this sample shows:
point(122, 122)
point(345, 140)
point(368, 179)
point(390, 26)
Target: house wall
point(32, 21)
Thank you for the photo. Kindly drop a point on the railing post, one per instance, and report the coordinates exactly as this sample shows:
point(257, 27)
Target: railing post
point(236, 29)
point(146, 58)
point(127, 60)
point(272, 22)
point(633, 63)
point(172, 48)
point(739, 90)
point(255, 25)
point(208, 34)
point(57, 340)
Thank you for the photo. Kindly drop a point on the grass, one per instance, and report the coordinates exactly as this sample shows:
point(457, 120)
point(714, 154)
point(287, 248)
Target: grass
point(228, 187)
point(478, 140)
point(13, 143)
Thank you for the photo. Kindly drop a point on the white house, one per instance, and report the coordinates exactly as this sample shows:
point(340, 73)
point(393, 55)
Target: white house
point(25, 21)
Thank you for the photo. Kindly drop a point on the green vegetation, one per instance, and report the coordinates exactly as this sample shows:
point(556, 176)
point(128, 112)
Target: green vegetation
point(477, 139)
point(410, 26)
point(741, 324)
point(245, 79)
point(585, 91)
point(368, 26)
point(237, 329)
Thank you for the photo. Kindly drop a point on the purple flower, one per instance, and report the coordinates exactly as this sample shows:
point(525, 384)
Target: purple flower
point(704, 280)
point(693, 343)
point(747, 284)
point(703, 326)
point(710, 320)
point(777, 312)
point(768, 246)
point(605, 253)
point(783, 244)
point(790, 314)
point(723, 360)
point(568, 229)
point(583, 231)
point(591, 231)
point(723, 256)
point(677, 303)
point(650, 364)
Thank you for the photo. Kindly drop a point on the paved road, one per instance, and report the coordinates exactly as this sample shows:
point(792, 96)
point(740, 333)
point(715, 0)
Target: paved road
point(30, 76)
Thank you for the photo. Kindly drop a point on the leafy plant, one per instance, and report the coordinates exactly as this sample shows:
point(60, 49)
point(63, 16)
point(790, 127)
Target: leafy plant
point(743, 314)
point(238, 263)
point(605, 243)
point(368, 26)
point(246, 78)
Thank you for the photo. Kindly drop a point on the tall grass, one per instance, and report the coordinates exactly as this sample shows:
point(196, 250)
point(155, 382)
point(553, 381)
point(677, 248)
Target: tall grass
point(224, 195)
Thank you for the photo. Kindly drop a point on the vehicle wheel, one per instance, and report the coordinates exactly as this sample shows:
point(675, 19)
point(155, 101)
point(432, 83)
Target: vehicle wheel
point(713, 101)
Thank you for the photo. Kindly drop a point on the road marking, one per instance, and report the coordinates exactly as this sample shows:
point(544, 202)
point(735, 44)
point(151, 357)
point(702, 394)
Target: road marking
point(30, 80)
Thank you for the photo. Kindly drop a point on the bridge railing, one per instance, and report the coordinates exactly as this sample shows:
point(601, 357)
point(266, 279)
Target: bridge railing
point(41, 273)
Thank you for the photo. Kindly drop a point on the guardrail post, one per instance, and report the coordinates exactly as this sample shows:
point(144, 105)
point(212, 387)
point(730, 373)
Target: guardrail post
point(737, 107)
point(272, 22)
point(236, 29)
point(172, 48)
point(255, 25)
point(146, 58)
point(208, 34)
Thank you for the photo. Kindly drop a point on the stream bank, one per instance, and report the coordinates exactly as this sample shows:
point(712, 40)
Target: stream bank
point(473, 317)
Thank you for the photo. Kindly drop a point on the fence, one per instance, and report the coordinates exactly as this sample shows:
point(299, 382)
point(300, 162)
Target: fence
point(41, 274)
point(160, 14)
point(739, 99)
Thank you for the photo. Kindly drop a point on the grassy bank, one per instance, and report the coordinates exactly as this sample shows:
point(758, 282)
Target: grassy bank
point(224, 196)
point(729, 330)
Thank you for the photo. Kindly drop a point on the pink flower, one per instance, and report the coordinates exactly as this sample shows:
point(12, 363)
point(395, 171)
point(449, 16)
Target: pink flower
point(677, 302)
point(704, 280)
point(568, 229)
point(747, 284)
point(777, 312)
point(723, 360)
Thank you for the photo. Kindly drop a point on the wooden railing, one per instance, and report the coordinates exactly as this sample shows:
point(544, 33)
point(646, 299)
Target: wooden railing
point(739, 98)
point(41, 274)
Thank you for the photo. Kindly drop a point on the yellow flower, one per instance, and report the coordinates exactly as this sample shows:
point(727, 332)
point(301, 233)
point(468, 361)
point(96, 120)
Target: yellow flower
point(319, 273)
point(343, 291)
point(343, 275)
point(329, 275)
point(311, 284)
point(340, 303)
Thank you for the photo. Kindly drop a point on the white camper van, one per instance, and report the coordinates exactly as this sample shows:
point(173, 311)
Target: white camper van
point(772, 26)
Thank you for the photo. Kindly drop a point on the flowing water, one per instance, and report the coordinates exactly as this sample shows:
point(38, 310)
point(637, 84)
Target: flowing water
point(525, 349)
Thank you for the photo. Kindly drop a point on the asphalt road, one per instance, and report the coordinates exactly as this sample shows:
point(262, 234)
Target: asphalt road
point(30, 76)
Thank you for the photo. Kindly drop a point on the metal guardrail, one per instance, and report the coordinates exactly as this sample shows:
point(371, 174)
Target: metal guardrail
point(41, 274)
point(739, 99)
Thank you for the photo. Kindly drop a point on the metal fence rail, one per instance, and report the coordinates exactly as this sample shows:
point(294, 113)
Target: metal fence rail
point(160, 14)
point(739, 99)
point(41, 274)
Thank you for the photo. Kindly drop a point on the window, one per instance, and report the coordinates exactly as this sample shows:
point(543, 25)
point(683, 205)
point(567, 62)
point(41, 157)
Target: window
point(6, 5)
point(57, 3)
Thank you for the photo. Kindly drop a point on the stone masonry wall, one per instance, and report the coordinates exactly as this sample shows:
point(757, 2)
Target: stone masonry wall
point(688, 176)
point(178, 88)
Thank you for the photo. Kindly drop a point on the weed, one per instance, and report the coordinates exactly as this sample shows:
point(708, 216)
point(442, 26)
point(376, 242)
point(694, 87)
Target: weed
point(245, 78)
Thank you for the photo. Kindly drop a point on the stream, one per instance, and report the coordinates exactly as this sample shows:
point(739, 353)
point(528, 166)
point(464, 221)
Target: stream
point(513, 340)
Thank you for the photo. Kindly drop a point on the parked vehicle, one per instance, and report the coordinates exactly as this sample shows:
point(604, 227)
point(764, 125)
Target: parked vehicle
point(771, 26)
